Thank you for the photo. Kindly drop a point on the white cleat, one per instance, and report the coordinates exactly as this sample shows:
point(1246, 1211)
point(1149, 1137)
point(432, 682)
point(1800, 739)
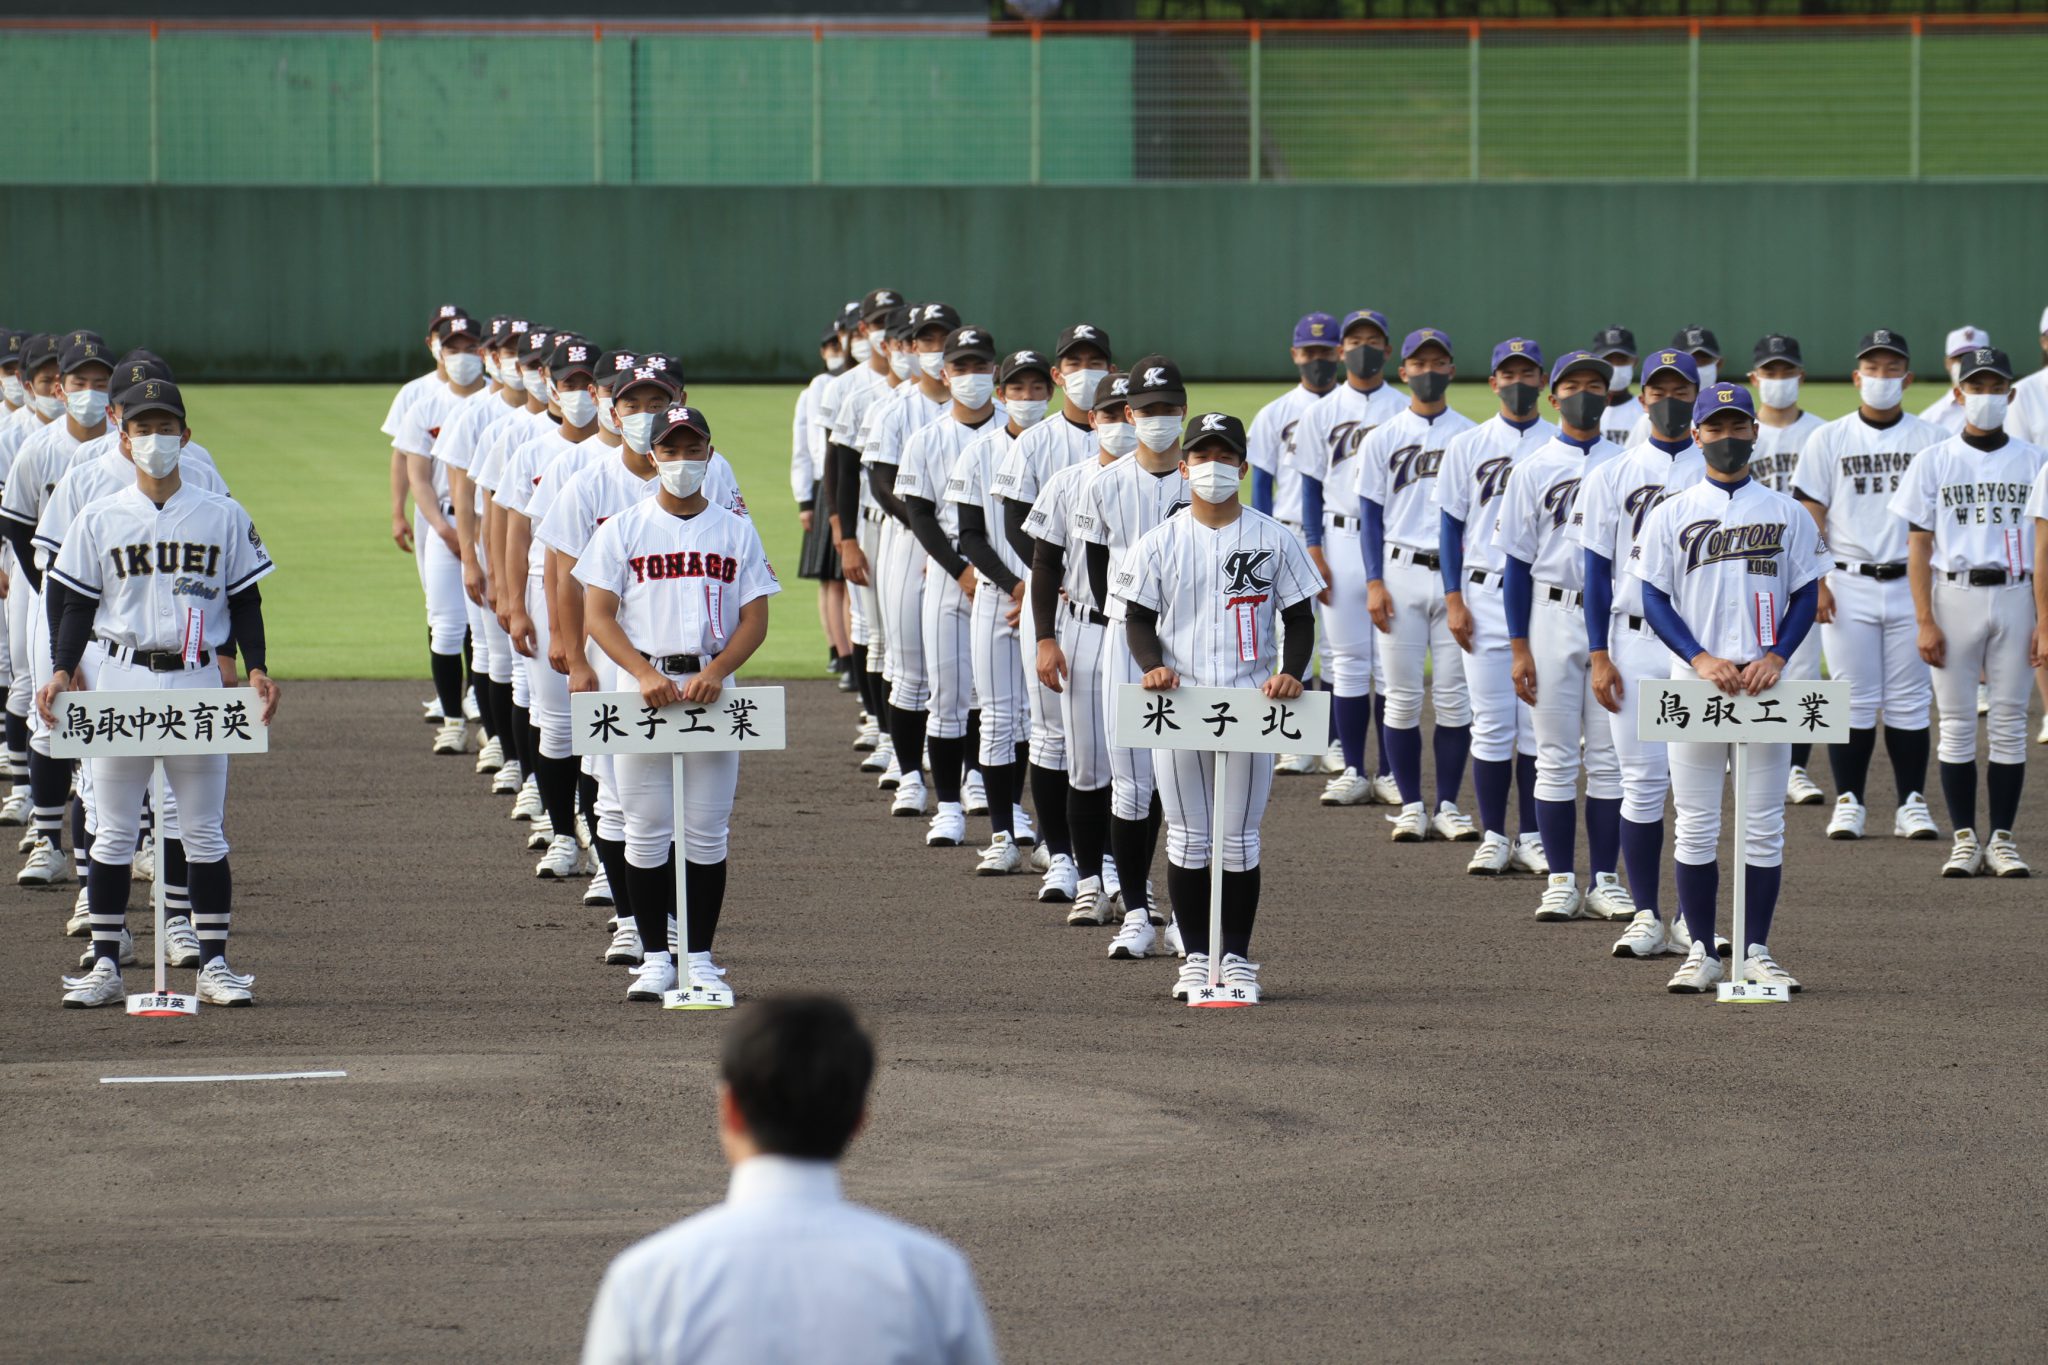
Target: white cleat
point(1293, 765)
point(1135, 939)
point(181, 942)
point(17, 808)
point(1061, 881)
point(1562, 899)
point(1333, 758)
point(508, 780)
point(432, 711)
point(1112, 884)
point(1385, 790)
point(948, 828)
point(491, 758)
point(868, 736)
point(973, 795)
point(1240, 978)
point(220, 984)
point(2002, 856)
point(1348, 788)
point(1529, 856)
point(1645, 936)
point(910, 798)
point(653, 978)
point(1411, 826)
point(892, 775)
point(1090, 905)
point(127, 954)
point(562, 860)
point(1000, 858)
point(599, 892)
point(1491, 857)
point(1759, 965)
point(470, 712)
point(1193, 976)
point(881, 758)
point(1697, 975)
point(1680, 942)
point(1801, 790)
point(80, 923)
point(452, 737)
point(28, 840)
point(100, 986)
point(1847, 821)
point(540, 836)
point(1912, 821)
point(1608, 899)
point(706, 974)
point(143, 866)
point(527, 806)
point(1453, 824)
point(2042, 736)
point(1170, 936)
point(625, 946)
point(46, 865)
point(1965, 858)
point(1022, 830)
point(1041, 858)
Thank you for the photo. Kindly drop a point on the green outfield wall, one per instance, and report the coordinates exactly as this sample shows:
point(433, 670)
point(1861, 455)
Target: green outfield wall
point(337, 283)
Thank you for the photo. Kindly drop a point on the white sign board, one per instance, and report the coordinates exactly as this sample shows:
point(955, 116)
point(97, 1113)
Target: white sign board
point(1680, 710)
point(196, 720)
point(1220, 720)
point(743, 718)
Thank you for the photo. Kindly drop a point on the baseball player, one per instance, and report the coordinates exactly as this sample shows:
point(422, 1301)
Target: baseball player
point(1616, 345)
point(44, 404)
point(1970, 502)
point(1395, 474)
point(157, 635)
point(403, 530)
point(1477, 468)
point(2028, 422)
point(1731, 580)
point(1777, 369)
point(1946, 411)
point(1545, 577)
point(1705, 349)
point(819, 559)
point(677, 593)
point(1203, 598)
point(1326, 440)
point(1623, 651)
point(1846, 476)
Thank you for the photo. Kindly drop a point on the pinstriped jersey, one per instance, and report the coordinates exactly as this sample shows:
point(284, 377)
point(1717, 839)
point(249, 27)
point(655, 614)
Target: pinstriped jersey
point(162, 575)
point(1047, 446)
point(1540, 511)
point(1219, 592)
point(1052, 520)
point(1267, 443)
point(1976, 502)
point(973, 484)
point(1475, 476)
point(1730, 562)
point(1397, 468)
point(890, 425)
point(1615, 502)
point(1119, 505)
point(1852, 468)
point(41, 461)
point(927, 467)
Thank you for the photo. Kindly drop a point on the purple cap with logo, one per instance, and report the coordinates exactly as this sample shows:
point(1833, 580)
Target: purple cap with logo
point(1421, 337)
point(1358, 315)
point(1317, 329)
point(1678, 362)
point(1580, 360)
point(1721, 398)
point(1515, 347)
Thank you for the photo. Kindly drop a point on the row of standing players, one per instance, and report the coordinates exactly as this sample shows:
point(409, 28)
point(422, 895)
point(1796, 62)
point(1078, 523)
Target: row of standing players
point(1439, 578)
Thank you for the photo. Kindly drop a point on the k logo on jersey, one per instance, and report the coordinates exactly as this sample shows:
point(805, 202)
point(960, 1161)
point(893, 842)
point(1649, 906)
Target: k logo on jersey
point(1245, 570)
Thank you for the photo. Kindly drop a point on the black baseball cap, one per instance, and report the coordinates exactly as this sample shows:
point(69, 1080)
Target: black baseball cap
point(130, 372)
point(849, 317)
point(1693, 337)
point(897, 325)
point(39, 349)
point(970, 343)
point(1214, 428)
point(1023, 362)
point(498, 331)
point(877, 302)
point(10, 346)
point(445, 312)
point(649, 370)
point(78, 354)
point(1082, 334)
point(829, 336)
point(925, 316)
point(612, 364)
point(458, 324)
point(1155, 379)
point(151, 395)
point(535, 346)
point(680, 417)
point(1612, 338)
point(573, 355)
point(1983, 359)
point(1883, 339)
point(1114, 392)
point(1777, 346)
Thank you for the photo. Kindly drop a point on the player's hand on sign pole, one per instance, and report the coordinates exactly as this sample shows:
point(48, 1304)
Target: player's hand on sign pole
point(1379, 604)
point(1161, 679)
point(1761, 675)
point(1720, 672)
point(267, 692)
point(1523, 672)
point(1052, 665)
point(1608, 688)
point(1282, 687)
point(1933, 644)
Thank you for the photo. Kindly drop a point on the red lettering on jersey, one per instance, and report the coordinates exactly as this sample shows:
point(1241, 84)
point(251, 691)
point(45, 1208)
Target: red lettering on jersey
point(639, 567)
point(714, 567)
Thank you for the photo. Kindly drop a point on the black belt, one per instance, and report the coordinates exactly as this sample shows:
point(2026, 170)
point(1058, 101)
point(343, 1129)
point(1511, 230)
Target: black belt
point(1426, 558)
point(155, 660)
point(1636, 623)
point(676, 663)
point(1564, 596)
point(1344, 523)
point(1088, 614)
point(874, 514)
point(1985, 578)
point(1883, 573)
point(1487, 578)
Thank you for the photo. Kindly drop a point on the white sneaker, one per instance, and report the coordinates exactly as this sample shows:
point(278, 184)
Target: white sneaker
point(1491, 858)
point(1333, 757)
point(181, 942)
point(1240, 978)
point(1022, 830)
point(2042, 736)
point(973, 796)
point(1170, 937)
point(1608, 899)
point(1348, 788)
point(1089, 903)
point(1644, 937)
point(653, 978)
point(1912, 821)
point(2002, 856)
point(625, 946)
point(220, 984)
point(1680, 942)
point(599, 892)
point(881, 758)
point(1411, 826)
point(1061, 881)
point(1000, 858)
point(1801, 790)
point(470, 712)
point(1135, 939)
point(100, 986)
point(1847, 821)
point(1759, 965)
point(1529, 856)
point(17, 808)
point(1112, 884)
point(540, 836)
point(948, 827)
point(1041, 857)
point(452, 737)
point(706, 974)
point(562, 859)
point(432, 711)
point(80, 923)
point(1453, 824)
point(892, 777)
point(527, 806)
point(1562, 899)
point(1698, 973)
point(1294, 765)
point(1385, 790)
point(46, 865)
point(491, 757)
point(28, 840)
point(1965, 858)
point(143, 866)
point(127, 953)
point(868, 736)
point(909, 797)
point(508, 780)
point(1193, 976)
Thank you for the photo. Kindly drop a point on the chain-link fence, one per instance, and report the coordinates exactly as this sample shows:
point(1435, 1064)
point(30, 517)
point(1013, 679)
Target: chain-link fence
point(419, 104)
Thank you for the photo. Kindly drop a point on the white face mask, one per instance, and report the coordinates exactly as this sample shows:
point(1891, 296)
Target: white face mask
point(933, 363)
point(862, 349)
point(1213, 480)
point(899, 364)
point(1880, 393)
point(49, 405)
point(579, 407)
point(1081, 386)
point(156, 456)
point(1955, 372)
point(1624, 375)
point(535, 385)
point(509, 376)
point(1778, 393)
point(1984, 411)
point(1710, 370)
point(638, 429)
point(1157, 433)
point(1024, 412)
point(17, 394)
point(464, 368)
point(605, 418)
point(1118, 438)
point(836, 365)
point(434, 345)
point(972, 390)
point(88, 407)
point(681, 478)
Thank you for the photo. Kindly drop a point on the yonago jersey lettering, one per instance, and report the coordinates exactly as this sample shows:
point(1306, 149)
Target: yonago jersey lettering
point(1397, 468)
point(1730, 563)
point(1268, 441)
point(1978, 503)
point(1777, 451)
point(680, 581)
point(1852, 469)
point(1219, 592)
point(1475, 475)
point(1618, 423)
point(1045, 447)
point(1329, 432)
point(1615, 502)
point(95, 479)
point(972, 484)
point(1119, 505)
point(590, 498)
point(1052, 520)
point(162, 575)
point(927, 467)
point(1540, 511)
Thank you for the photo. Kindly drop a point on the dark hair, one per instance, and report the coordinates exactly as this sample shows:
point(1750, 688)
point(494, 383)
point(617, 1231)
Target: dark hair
point(798, 1067)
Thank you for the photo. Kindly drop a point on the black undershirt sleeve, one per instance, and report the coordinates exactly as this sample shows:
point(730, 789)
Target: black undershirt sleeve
point(980, 552)
point(882, 483)
point(245, 626)
point(71, 618)
point(1299, 624)
point(842, 476)
point(923, 515)
point(1014, 513)
point(1048, 571)
point(1098, 574)
point(22, 538)
point(1141, 631)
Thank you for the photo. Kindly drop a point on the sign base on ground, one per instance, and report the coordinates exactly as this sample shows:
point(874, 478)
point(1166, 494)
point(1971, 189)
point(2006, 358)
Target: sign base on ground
point(163, 1005)
point(1226, 997)
point(698, 998)
point(1752, 993)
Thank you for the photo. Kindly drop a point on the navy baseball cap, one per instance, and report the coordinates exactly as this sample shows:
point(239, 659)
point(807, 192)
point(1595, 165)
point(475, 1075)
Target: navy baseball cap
point(1694, 337)
point(1318, 329)
point(1721, 398)
point(39, 349)
point(1358, 315)
point(1883, 339)
point(1580, 360)
point(1082, 334)
point(129, 372)
point(680, 417)
point(1023, 362)
point(151, 395)
point(1214, 428)
point(1777, 346)
point(1679, 363)
point(1517, 347)
point(10, 346)
point(970, 343)
point(1421, 337)
point(1613, 338)
point(1985, 359)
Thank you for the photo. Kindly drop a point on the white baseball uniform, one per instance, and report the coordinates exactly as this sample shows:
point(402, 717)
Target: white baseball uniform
point(1268, 441)
point(944, 610)
point(1619, 423)
point(1043, 450)
point(1080, 626)
point(543, 464)
point(899, 589)
point(436, 408)
point(1772, 464)
point(42, 460)
point(1326, 442)
point(996, 658)
point(1944, 412)
point(2027, 419)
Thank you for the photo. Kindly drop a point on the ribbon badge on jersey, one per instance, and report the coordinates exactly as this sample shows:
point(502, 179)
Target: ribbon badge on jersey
point(194, 637)
point(2015, 554)
point(714, 608)
point(1244, 611)
point(1766, 619)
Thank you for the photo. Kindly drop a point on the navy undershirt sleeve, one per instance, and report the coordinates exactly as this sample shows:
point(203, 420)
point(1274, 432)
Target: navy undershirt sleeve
point(1374, 541)
point(1262, 491)
point(1312, 510)
point(1799, 614)
point(1598, 601)
point(1450, 551)
point(1518, 597)
point(1669, 625)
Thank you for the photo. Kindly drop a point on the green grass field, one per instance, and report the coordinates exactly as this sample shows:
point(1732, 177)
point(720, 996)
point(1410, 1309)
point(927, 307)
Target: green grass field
point(311, 466)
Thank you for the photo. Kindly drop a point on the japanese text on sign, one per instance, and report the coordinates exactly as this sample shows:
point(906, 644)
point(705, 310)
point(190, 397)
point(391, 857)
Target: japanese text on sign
point(210, 720)
point(744, 718)
point(1796, 711)
point(1219, 719)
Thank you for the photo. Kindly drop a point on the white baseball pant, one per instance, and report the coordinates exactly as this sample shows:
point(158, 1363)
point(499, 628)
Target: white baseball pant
point(948, 653)
point(1989, 631)
point(1082, 706)
point(1697, 771)
point(998, 667)
point(1132, 780)
point(1322, 631)
point(1571, 726)
point(902, 592)
point(441, 577)
point(1187, 794)
point(547, 692)
point(1874, 642)
point(1638, 655)
point(1502, 723)
point(1420, 633)
point(1048, 728)
point(1346, 626)
point(21, 600)
point(863, 612)
point(199, 782)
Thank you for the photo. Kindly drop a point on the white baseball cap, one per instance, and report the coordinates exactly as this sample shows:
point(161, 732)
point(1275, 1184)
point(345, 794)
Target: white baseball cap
point(1967, 338)
point(2044, 322)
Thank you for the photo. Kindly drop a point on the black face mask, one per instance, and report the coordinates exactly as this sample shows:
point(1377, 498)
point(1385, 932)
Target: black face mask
point(1582, 410)
point(1520, 399)
point(1729, 455)
point(1428, 385)
point(1365, 361)
point(1670, 417)
point(1320, 375)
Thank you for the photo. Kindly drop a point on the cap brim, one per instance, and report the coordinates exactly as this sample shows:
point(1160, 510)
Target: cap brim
point(1898, 351)
point(1716, 410)
point(1176, 397)
point(1215, 438)
point(970, 353)
point(1593, 363)
point(664, 433)
point(1998, 370)
point(627, 382)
